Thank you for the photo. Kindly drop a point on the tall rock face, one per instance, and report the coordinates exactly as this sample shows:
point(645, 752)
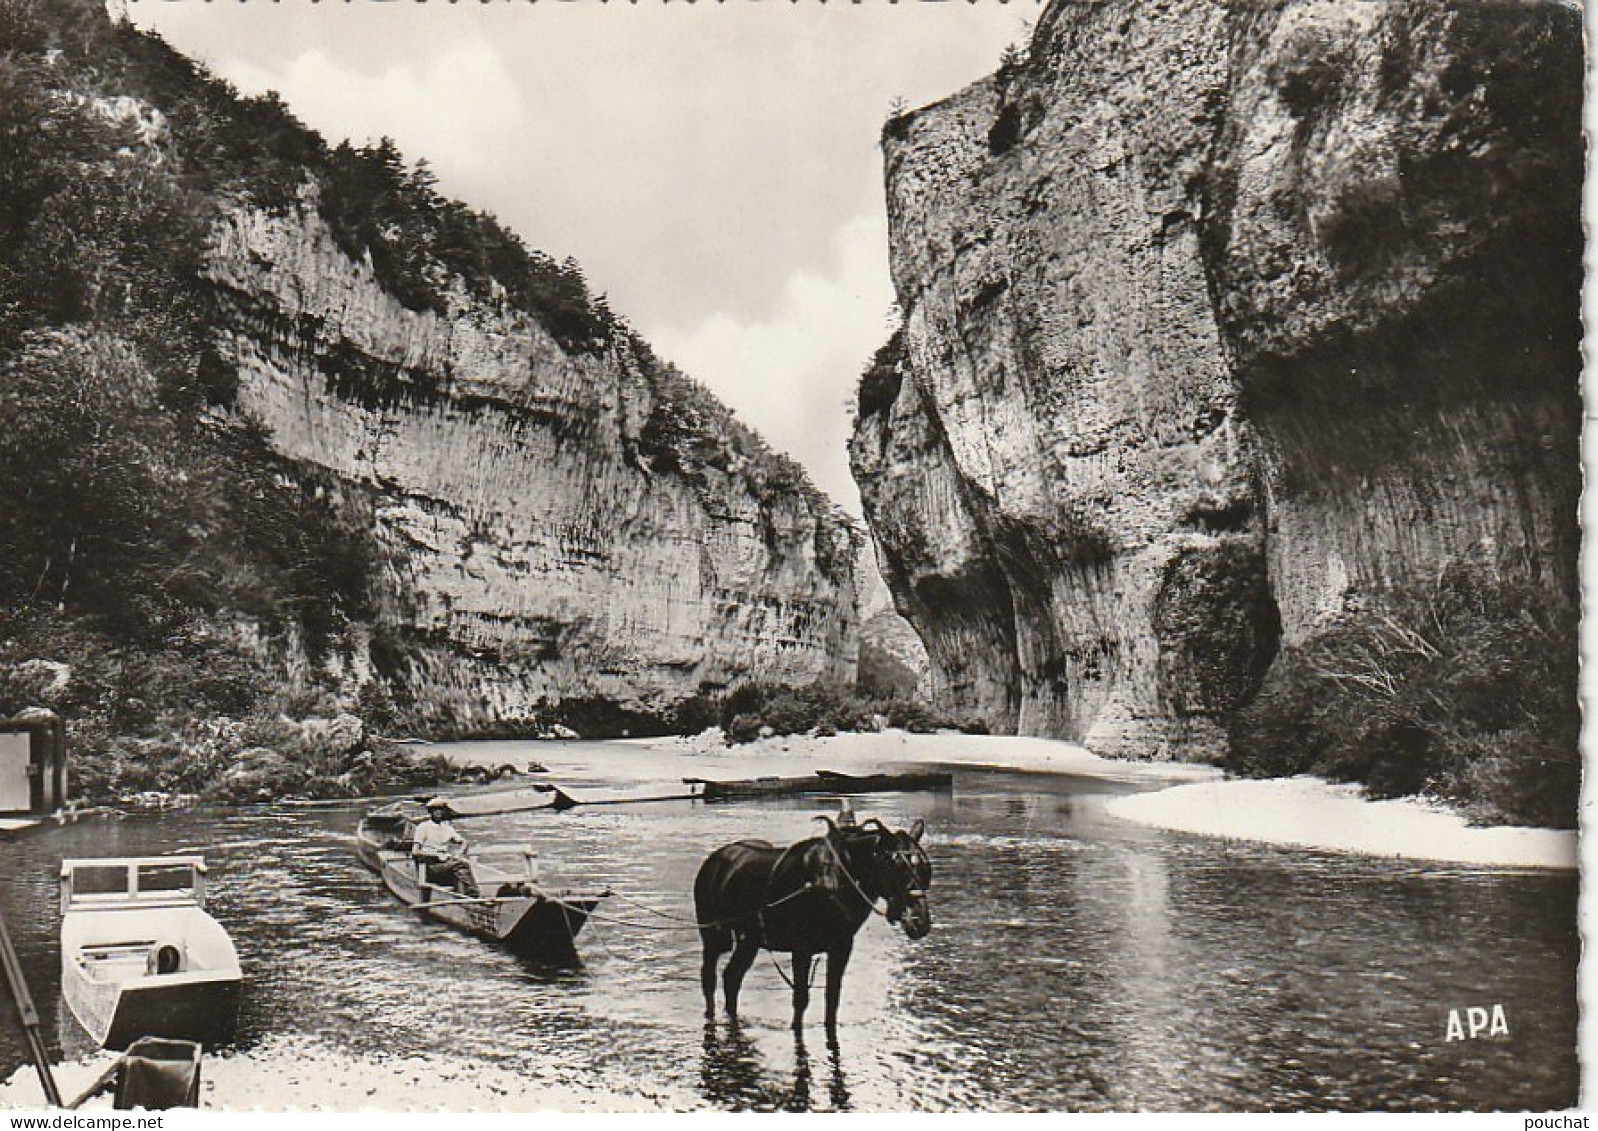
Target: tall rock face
point(289, 424)
point(1217, 316)
point(537, 549)
point(893, 661)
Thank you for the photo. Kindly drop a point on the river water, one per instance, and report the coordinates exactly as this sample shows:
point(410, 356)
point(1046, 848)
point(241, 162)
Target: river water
point(1076, 962)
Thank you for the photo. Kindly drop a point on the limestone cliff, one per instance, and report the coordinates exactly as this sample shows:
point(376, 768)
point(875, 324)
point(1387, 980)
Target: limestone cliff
point(892, 659)
point(304, 425)
point(536, 551)
point(1218, 316)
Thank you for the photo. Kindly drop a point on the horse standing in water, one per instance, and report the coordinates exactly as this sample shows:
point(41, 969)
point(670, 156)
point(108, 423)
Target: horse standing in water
point(807, 899)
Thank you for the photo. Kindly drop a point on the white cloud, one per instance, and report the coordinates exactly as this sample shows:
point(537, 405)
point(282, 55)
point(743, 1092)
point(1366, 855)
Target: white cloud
point(791, 376)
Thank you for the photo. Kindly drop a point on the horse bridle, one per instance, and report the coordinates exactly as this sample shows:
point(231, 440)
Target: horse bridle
point(911, 892)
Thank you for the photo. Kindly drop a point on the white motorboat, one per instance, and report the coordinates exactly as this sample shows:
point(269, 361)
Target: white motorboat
point(140, 957)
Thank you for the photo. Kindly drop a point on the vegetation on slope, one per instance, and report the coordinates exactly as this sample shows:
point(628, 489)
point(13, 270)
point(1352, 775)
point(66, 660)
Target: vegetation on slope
point(758, 710)
point(1464, 691)
point(150, 539)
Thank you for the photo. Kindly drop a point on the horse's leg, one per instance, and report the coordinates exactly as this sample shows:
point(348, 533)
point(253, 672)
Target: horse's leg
point(717, 940)
point(837, 963)
point(732, 978)
point(801, 987)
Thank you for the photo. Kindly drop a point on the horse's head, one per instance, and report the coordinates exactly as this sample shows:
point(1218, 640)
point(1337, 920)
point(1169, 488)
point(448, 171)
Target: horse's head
point(892, 864)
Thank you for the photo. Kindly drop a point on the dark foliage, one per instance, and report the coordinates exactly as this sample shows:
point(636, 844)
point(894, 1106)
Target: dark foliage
point(697, 713)
point(120, 499)
point(1217, 626)
point(418, 242)
point(752, 710)
point(882, 378)
point(310, 539)
point(590, 717)
point(897, 126)
point(1465, 691)
point(1006, 129)
point(601, 718)
point(883, 674)
point(137, 531)
point(376, 206)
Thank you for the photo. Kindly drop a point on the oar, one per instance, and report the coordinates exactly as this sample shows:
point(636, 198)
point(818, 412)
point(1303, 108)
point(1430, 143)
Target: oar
point(464, 900)
point(561, 801)
point(28, 1015)
point(488, 899)
point(630, 800)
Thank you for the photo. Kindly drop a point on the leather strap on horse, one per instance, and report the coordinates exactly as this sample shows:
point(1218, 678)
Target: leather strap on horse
point(854, 883)
point(760, 917)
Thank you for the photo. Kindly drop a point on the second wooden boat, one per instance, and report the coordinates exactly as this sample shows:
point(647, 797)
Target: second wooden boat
point(827, 782)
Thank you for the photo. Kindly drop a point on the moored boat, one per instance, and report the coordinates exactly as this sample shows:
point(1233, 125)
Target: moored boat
point(140, 957)
point(828, 782)
point(513, 909)
point(518, 799)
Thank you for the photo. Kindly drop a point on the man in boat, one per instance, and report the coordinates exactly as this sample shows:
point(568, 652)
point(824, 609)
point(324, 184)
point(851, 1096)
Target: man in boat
point(442, 851)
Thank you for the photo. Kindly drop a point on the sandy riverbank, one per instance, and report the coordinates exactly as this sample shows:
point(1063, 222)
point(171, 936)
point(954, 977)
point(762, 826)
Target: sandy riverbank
point(1307, 812)
point(1294, 812)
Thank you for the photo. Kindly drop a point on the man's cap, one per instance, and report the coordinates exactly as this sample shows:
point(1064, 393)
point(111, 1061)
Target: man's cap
point(437, 803)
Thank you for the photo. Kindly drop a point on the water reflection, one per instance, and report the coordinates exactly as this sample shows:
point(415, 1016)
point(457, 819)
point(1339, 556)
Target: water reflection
point(1154, 1025)
point(733, 1073)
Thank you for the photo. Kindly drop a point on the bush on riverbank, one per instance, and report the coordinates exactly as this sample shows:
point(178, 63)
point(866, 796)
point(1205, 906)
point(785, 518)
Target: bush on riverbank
point(192, 714)
point(264, 756)
point(755, 710)
point(1465, 691)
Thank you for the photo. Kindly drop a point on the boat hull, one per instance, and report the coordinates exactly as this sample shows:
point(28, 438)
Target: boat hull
point(829, 784)
point(146, 962)
point(203, 1012)
point(539, 927)
point(202, 1007)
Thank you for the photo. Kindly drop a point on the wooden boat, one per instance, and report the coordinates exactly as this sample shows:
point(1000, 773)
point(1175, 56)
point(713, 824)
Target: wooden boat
point(827, 782)
point(139, 955)
point(493, 802)
point(558, 799)
point(513, 909)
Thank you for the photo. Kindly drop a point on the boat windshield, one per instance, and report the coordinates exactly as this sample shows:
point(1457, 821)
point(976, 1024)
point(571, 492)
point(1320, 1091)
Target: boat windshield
point(138, 881)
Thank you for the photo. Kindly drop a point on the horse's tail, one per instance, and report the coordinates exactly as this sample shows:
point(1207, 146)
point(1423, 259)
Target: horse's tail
point(708, 912)
point(710, 908)
point(716, 939)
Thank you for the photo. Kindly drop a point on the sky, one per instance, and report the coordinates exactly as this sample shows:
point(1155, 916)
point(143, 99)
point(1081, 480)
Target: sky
point(713, 167)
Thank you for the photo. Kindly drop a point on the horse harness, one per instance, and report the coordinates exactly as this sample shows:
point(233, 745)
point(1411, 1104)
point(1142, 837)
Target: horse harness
point(809, 885)
point(870, 901)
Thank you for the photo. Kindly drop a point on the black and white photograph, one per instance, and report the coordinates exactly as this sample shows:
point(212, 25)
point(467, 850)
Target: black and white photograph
point(645, 556)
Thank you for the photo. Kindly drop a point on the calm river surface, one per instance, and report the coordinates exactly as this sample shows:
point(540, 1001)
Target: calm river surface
point(1076, 961)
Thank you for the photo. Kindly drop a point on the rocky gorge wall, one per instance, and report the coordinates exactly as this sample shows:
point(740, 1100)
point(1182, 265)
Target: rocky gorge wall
point(535, 551)
point(1218, 316)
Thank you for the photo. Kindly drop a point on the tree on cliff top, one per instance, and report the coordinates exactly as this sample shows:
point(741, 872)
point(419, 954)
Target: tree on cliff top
point(137, 512)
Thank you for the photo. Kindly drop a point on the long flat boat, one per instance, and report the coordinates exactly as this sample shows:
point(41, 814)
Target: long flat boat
point(822, 782)
point(140, 957)
point(513, 910)
point(518, 799)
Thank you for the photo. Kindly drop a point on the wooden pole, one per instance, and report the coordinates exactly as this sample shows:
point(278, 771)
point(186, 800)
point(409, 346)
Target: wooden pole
point(27, 1014)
